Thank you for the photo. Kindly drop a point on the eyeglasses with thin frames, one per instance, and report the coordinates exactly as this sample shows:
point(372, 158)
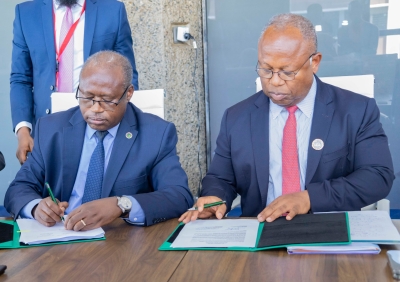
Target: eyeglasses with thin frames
point(285, 75)
point(106, 105)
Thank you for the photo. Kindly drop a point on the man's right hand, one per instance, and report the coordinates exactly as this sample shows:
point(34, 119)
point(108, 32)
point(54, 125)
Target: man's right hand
point(25, 144)
point(48, 213)
point(218, 211)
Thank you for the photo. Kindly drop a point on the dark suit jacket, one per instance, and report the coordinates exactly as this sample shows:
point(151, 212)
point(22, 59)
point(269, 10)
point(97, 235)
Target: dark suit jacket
point(2, 161)
point(33, 69)
point(145, 166)
point(354, 168)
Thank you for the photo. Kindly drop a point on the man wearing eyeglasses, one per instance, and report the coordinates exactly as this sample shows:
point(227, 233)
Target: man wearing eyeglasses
point(103, 160)
point(299, 145)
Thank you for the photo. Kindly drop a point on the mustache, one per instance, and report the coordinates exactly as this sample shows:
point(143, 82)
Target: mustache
point(67, 3)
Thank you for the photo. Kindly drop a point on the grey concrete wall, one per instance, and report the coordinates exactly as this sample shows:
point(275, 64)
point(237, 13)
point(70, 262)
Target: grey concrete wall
point(163, 64)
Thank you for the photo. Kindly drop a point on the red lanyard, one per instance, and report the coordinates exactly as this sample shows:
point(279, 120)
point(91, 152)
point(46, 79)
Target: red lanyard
point(66, 39)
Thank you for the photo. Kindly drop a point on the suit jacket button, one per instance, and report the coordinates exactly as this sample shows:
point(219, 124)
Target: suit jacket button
point(47, 111)
point(51, 87)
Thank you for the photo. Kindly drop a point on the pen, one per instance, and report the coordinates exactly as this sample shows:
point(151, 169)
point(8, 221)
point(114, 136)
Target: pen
point(208, 205)
point(52, 196)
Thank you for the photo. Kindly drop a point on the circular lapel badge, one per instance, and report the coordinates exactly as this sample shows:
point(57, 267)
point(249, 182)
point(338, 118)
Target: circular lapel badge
point(317, 144)
point(128, 135)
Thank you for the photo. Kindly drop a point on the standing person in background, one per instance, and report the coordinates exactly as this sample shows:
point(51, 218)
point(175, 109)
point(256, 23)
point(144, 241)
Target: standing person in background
point(52, 39)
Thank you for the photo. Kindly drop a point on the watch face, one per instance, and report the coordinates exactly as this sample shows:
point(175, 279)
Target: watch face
point(126, 203)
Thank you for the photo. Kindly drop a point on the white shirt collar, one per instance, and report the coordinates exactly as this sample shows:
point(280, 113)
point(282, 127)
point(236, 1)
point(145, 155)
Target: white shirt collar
point(306, 106)
point(56, 5)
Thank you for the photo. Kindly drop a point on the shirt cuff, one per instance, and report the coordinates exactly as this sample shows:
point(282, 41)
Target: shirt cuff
point(23, 124)
point(26, 211)
point(136, 215)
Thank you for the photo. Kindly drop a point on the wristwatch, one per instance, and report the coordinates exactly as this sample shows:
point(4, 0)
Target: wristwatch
point(125, 204)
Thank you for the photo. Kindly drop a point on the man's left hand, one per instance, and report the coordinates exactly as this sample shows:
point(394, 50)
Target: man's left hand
point(93, 214)
point(290, 204)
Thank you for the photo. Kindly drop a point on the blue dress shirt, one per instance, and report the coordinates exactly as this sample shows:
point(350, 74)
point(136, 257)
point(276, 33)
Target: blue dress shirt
point(136, 215)
point(277, 120)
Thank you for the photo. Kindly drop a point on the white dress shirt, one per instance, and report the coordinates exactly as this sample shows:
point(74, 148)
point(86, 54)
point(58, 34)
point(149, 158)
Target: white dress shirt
point(277, 120)
point(59, 12)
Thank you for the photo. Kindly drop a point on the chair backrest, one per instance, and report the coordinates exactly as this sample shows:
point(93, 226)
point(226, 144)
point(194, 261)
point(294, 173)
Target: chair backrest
point(362, 84)
point(149, 101)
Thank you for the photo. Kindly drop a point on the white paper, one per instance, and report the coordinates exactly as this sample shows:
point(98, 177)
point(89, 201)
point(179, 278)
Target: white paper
point(33, 232)
point(218, 233)
point(372, 226)
point(353, 248)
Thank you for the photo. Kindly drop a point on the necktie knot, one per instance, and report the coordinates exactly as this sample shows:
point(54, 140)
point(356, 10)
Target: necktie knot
point(292, 109)
point(101, 134)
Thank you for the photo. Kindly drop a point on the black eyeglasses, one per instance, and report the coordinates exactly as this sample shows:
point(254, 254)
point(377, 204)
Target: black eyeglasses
point(285, 75)
point(106, 105)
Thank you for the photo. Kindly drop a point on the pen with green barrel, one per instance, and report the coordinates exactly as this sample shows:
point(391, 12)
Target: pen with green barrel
point(208, 205)
point(52, 196)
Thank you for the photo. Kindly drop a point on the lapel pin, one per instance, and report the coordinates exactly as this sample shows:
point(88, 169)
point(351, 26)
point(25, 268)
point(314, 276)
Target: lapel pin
point(128, 135)
point(317, 144)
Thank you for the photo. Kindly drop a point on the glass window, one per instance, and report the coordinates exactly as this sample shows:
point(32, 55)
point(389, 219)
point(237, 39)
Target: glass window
point(360, 37)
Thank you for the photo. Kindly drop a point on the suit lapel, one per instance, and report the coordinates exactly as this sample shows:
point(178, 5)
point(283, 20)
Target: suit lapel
point(48, 31)
point(321, 123)
point(260, 140)
point(121, 148)
point(90, 23)
point(73, 137)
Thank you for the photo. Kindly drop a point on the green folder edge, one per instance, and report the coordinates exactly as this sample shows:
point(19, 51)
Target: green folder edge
point(14, 244)
point(166, 246)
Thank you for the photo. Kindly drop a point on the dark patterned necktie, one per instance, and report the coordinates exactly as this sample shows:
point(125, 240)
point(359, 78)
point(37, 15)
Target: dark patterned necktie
point(94, 178)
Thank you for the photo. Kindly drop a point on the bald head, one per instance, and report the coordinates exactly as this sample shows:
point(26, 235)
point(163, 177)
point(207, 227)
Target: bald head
point(288, 59)
point(292, 25)
point(110, 60)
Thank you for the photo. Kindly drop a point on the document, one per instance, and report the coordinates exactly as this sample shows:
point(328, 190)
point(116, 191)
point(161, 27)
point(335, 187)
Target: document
point(218, 233)
point(353, 248)
point(32, 232)
point(373, 227)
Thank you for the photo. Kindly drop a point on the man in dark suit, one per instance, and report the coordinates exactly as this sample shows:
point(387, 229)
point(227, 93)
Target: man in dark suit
point(300, 145)
point(103, 159)
point(39, 65)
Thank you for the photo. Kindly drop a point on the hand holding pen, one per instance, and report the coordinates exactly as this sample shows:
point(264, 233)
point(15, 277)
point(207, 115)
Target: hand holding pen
point(52, 197)
point(49, 211)
point(205, 207)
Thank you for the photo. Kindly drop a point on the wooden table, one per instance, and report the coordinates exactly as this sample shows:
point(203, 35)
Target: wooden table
point(130, 254)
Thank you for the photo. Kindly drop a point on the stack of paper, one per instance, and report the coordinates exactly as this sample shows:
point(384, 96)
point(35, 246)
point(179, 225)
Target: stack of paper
point(353, 248)
point(32, 232)
point(367, 229)
point(372, 227)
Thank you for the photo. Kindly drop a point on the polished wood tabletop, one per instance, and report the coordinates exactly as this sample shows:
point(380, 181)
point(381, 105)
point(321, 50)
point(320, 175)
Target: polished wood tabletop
point(131, 253)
